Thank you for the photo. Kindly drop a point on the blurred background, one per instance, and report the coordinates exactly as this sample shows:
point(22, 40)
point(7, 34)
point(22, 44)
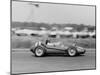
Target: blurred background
point(32, 21)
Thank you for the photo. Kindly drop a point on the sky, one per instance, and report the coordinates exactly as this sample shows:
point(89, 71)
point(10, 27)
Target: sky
point(53, 13)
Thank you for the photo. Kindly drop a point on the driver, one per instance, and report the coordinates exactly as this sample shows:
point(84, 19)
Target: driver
point(48, 42)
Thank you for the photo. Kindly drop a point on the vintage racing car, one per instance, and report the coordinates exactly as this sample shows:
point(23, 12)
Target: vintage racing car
point(41, 48)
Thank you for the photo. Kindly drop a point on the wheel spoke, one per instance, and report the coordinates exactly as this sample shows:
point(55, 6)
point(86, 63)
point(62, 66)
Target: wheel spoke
point(39, 52)
point(72, 52)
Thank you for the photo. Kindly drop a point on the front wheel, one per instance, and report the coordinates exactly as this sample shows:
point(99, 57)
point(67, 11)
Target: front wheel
point(72, 51)
point(39, 52)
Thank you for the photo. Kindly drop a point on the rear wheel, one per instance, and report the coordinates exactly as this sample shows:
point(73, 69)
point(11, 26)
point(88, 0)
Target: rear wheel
point(72, 51)
point(39, 52)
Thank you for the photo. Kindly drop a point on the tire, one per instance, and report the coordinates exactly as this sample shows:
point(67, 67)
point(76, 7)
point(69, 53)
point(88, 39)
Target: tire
point(72, 51)
point(39, 52)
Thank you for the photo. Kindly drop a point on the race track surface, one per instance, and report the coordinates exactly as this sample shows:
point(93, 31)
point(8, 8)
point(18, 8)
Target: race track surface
point(26, 62)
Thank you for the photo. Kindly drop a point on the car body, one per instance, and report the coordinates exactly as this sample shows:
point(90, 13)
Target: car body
point(41, 48)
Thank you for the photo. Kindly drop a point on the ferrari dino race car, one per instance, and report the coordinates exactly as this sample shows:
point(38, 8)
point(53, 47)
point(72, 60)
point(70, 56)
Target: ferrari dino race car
point(40, 49)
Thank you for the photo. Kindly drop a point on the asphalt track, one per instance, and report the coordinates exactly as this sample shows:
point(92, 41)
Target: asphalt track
point(25, 62)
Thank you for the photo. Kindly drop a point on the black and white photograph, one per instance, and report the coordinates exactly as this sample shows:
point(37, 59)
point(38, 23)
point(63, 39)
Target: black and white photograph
point(52, 37)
